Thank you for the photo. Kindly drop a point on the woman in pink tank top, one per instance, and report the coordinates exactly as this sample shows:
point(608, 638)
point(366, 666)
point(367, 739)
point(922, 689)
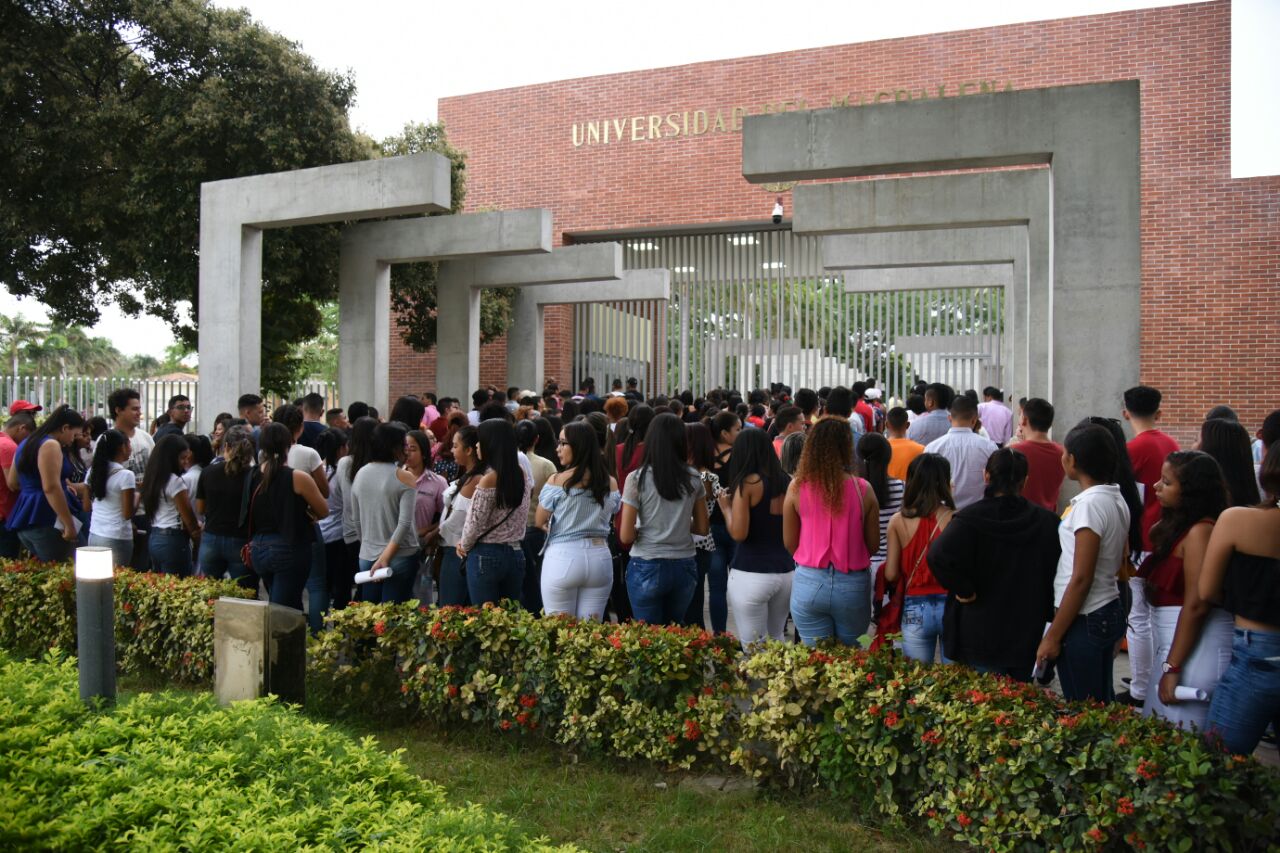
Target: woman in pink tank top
point(830, 524)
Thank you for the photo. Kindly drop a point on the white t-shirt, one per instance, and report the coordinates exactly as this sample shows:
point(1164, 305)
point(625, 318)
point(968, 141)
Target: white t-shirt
point(167, 511)
point(192, 478)
point(304, 459)
point(108, 518)
point(1101, 509)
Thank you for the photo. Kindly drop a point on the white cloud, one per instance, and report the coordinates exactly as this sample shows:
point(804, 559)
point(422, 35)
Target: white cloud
point(143, 335)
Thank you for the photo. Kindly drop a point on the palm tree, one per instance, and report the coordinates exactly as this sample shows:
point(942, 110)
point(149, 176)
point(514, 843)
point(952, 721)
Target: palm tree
point(17, 334)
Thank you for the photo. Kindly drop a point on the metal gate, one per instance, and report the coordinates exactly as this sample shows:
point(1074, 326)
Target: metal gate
point(750, 308)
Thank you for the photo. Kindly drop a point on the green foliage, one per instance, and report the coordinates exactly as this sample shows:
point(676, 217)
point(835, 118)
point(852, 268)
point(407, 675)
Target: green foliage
point(997, 764)
point(36, 349)
point(164, 624)
point(176, 772)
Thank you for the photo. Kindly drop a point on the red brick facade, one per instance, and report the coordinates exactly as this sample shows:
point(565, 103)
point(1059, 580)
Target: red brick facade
point(1210, 244)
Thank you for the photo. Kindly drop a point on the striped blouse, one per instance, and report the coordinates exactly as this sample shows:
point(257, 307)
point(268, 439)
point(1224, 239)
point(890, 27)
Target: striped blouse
point(575, 514)
point(887, 509)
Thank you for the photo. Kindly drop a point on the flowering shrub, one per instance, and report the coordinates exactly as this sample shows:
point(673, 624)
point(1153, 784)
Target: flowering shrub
point(173, 771)
point(998, 764)
point(164, 624)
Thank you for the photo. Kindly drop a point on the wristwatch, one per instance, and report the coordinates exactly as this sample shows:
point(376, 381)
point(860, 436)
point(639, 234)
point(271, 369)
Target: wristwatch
point(1167, 668)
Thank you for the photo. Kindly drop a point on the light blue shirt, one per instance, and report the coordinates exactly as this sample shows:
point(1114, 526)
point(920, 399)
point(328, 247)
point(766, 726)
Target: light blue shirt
point(929, 426)
point(968, 453)
point(575, 514)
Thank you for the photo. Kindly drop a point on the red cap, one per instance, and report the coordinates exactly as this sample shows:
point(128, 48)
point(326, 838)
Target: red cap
point(23, 406)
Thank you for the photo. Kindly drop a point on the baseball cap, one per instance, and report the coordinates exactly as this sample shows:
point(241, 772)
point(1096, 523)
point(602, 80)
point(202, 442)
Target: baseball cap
point(23, 406)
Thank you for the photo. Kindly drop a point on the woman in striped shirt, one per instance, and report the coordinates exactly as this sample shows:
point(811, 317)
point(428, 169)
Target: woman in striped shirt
point(578, 504)
point(876, 453)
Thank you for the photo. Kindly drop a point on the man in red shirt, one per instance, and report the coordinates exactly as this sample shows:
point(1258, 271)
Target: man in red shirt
point(1044, 456)
point(862, 408)
point(21, 423)
point(1147, 451)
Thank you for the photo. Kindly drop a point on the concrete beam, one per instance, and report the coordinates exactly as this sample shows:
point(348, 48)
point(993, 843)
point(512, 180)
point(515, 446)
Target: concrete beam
point(945, 257)
point(1090, 135)
point(1008, 206)
point(458, 301)
point(369, 249)
point(233, 214)
point(526, 346)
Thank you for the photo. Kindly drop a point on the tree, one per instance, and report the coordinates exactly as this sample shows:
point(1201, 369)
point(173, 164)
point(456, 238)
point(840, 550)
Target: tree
point(112, 113)
point(16, 334)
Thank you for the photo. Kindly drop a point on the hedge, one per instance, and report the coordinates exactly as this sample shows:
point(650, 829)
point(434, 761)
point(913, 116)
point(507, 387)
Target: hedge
point(991, 762)
point(172, 771)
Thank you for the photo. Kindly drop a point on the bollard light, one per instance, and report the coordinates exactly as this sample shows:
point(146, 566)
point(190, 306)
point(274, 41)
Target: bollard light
point(95, 623)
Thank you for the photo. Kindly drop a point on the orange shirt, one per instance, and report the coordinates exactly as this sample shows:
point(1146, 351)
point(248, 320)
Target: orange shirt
point(904, 450)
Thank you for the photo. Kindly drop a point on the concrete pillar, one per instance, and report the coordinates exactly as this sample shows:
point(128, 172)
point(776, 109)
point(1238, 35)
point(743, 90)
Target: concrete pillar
point(526, 349)
point(1090, 135)
point(233, 214)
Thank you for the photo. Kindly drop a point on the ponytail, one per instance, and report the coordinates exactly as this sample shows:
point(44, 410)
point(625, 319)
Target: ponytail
point(1006, 473)
point(109, 444)
point(274, 443)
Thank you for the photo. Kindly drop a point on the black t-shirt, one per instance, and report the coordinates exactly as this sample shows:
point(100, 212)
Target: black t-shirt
point(222, 496)
point(311, 431)
point(278, 509)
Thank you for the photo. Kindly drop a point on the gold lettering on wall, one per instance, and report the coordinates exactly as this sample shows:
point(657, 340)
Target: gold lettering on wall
point(713, 120)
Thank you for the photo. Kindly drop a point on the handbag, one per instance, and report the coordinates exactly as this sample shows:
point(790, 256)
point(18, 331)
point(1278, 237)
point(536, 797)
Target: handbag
point(889, 617)
point(246, 555)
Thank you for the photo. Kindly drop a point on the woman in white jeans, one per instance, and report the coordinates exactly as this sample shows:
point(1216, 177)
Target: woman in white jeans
point(762, 570)
point(579, 503)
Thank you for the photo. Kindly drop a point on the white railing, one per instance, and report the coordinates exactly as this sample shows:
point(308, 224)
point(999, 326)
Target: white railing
point(88, 395)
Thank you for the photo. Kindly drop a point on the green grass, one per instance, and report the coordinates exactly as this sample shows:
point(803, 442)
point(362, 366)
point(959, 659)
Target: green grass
point(604, 805)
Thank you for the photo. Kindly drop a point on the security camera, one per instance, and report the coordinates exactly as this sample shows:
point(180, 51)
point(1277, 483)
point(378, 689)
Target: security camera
point(777, 211)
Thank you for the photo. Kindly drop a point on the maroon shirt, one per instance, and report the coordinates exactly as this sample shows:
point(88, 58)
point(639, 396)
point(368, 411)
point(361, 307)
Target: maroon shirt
point(1044, 472)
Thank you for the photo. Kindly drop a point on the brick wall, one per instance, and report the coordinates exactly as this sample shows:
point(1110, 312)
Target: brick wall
point(1210, 245)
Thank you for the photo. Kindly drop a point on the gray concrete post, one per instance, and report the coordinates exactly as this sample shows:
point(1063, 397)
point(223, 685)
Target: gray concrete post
point(233, 214)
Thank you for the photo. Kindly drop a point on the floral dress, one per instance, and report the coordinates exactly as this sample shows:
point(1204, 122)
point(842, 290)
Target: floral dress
point(707, 543)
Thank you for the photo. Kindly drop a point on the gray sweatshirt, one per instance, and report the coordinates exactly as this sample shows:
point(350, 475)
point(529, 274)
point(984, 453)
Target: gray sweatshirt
point(382, 510)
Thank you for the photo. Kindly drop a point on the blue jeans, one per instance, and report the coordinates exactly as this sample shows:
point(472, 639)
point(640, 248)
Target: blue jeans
point(1088, 649)
point(282, 565)
point(121, 549)
point(495, 572)
point(922, 626)
point(1248, 696)
point(531, 594)
point(317, 584)
point(660, 590)
point(10, 546)
point(399, 587)
point(170, 551)
point(453, 585)
point(718, 578)
point(826, 603)
point(46, 544)
point(220, 556)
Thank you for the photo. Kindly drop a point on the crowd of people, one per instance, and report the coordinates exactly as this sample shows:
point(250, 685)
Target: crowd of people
point(954, 523)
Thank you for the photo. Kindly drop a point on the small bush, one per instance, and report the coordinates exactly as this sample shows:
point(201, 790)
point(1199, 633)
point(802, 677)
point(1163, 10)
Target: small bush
point(175, 771)
point(164, 624)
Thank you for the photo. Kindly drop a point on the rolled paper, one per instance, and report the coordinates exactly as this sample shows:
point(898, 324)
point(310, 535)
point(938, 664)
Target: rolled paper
point(1190, 694)
point(379, 575)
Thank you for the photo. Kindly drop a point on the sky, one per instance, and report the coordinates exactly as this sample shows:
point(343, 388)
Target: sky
point(405, 54)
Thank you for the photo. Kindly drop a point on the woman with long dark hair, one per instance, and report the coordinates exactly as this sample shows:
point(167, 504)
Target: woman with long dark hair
point(997, 559)
point(1192, 638)
point(112, 488)
point(535, 537)
point(1096, 537)
point(44, 513)
point(1228, 443)
point(445, 465)
point(359, 452)
point(278, 517)
point(575, 507)
point(725, 428)
point(760, 579)
point(875, 453)
point(547, 443)
point(332, 445)
point(927, 509)
point(496, 523)
point(222, 498)
point(1242, 570)
point(383, 500)
point(631, 451)
point(457, 506)
point(792, 449)
point(168, 504)
point(663, 507)
point(711, 564)
point(831, 525)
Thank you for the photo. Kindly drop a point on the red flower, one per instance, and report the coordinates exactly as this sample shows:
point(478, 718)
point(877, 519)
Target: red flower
point(451, 690)
point(528, 700)
point(871, 678)
point(891, 719)
point(692, 731)
point(707, 691)
point(505, 725)
point(1000, 759)
point(671, 738)
point(448, 669)
point(977, 697)
point(1003, 719)
point(932, 737)
point(874, 710)
point(404, 688)
point(379, 628)
point(931, 813)
point(1135, 841)
point(522, 717)
point(1095, 834)
point(1124, 806)
point(127, 608)
point(1147, 769)
point(693, 701)
point(615, 641)
point(963, 819)
point(645, 641)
